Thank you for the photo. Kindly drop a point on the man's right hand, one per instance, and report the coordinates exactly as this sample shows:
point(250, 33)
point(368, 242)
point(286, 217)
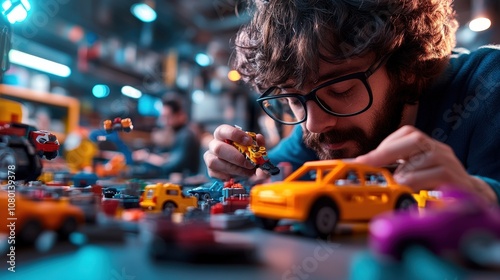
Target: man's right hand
point(223, 160)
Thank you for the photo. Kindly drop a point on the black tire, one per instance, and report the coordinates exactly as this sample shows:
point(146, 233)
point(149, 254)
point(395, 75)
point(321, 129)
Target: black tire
point(169, 206)
point(50, 155)
point(7, 158)
point(405, 202)
point(322, 219)
point(30, 231)
point(206, 196)
point(68, 226)
point(266, 223)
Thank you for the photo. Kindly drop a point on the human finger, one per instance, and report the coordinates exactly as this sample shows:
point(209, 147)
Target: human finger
point(402, 148)
point(229, 153)
point(224, 170)
point(228, 132)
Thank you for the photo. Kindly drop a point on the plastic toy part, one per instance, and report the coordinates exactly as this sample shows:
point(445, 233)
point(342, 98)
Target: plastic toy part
point(256, 154)
point(118, 124)
point(339, 191)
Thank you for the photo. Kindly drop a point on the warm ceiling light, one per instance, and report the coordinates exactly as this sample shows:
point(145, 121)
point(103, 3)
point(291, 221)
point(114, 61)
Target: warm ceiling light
point(479, 24)
point(144, 11)
point(233, 75)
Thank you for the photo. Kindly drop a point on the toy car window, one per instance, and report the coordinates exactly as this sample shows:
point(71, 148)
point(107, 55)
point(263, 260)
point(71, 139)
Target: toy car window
point(375, 179)
point(149, 194)
point(350, 178)
point(172, 192)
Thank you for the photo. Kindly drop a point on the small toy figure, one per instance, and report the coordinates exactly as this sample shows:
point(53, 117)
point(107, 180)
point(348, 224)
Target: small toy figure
point(256, 154)
point(118, 124)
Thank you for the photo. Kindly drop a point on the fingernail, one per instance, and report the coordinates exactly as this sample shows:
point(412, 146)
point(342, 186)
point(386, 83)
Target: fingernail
point(400, 178)
point(247, 140)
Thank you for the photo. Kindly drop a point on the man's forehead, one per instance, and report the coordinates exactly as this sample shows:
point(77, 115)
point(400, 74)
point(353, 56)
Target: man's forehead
point(330, 70)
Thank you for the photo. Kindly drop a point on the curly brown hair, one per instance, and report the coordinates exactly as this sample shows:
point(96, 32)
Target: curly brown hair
point(286, 39)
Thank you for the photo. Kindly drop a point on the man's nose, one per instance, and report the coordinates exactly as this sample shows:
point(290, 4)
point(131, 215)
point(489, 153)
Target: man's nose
point(318, 121)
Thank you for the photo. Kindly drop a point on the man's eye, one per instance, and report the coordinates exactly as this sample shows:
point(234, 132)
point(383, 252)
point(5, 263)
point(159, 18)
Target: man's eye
point(346, 92)
point(293, 101)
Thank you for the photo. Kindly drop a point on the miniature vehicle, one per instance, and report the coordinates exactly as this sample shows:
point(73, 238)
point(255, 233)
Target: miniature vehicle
point(118, 124)
point(192, 242)
point(466, 225)
point(256, 154)
point(46, 143)
point(230, 204)
point(19, 152)
point(210, 190)
point(84, 179)
point(166, 197)
point(341, 191)
point(35, 216)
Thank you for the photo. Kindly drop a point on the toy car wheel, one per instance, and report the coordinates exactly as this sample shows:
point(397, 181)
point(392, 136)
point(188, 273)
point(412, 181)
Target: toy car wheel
point(30, 231)
point(266, 223)
point(405, 202)
point(50, 155)
point(169, 207)
point(322, 219)
point(7, 159)
point(197, 195)
point(68, 226)
point(206, 196)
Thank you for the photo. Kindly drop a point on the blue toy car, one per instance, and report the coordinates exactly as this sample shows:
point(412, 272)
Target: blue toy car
point(210, 190)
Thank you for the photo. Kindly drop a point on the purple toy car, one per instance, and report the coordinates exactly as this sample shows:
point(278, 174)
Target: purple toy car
point(465, 226)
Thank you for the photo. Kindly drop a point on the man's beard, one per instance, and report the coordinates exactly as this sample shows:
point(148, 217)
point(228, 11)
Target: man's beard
point(387, 120)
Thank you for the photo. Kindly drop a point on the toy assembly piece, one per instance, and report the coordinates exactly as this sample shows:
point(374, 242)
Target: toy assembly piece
point(118, 124)
point(339, 191)
point(257, 155)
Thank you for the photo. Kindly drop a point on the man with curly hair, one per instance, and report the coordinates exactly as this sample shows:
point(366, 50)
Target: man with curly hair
point(374, 80)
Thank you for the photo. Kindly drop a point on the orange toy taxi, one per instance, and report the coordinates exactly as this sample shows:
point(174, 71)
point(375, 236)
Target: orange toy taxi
point(321, 193)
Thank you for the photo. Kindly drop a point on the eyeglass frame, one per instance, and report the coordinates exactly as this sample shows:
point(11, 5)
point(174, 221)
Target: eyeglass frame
point(362, 76)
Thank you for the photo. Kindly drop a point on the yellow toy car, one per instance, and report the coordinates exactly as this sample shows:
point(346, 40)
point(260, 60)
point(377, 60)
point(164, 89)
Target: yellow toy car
point(338, 191)
point(161, 197)
point(34, 216)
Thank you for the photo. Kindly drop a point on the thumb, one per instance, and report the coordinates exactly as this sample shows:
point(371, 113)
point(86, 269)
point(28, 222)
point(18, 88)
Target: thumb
point(261, 140)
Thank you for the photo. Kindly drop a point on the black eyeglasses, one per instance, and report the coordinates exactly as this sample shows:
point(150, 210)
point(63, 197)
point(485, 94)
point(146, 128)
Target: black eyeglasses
point(344, 96)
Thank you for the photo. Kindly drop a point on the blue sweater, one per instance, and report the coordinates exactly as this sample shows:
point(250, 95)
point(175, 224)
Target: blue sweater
point(461, 109)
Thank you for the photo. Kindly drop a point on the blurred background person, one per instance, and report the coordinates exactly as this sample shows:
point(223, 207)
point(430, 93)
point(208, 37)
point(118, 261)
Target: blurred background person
point(183, 156)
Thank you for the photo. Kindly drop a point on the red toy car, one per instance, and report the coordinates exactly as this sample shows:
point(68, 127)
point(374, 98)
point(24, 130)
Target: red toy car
point(231, 204)
point(46, 143)
point(192, 242)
